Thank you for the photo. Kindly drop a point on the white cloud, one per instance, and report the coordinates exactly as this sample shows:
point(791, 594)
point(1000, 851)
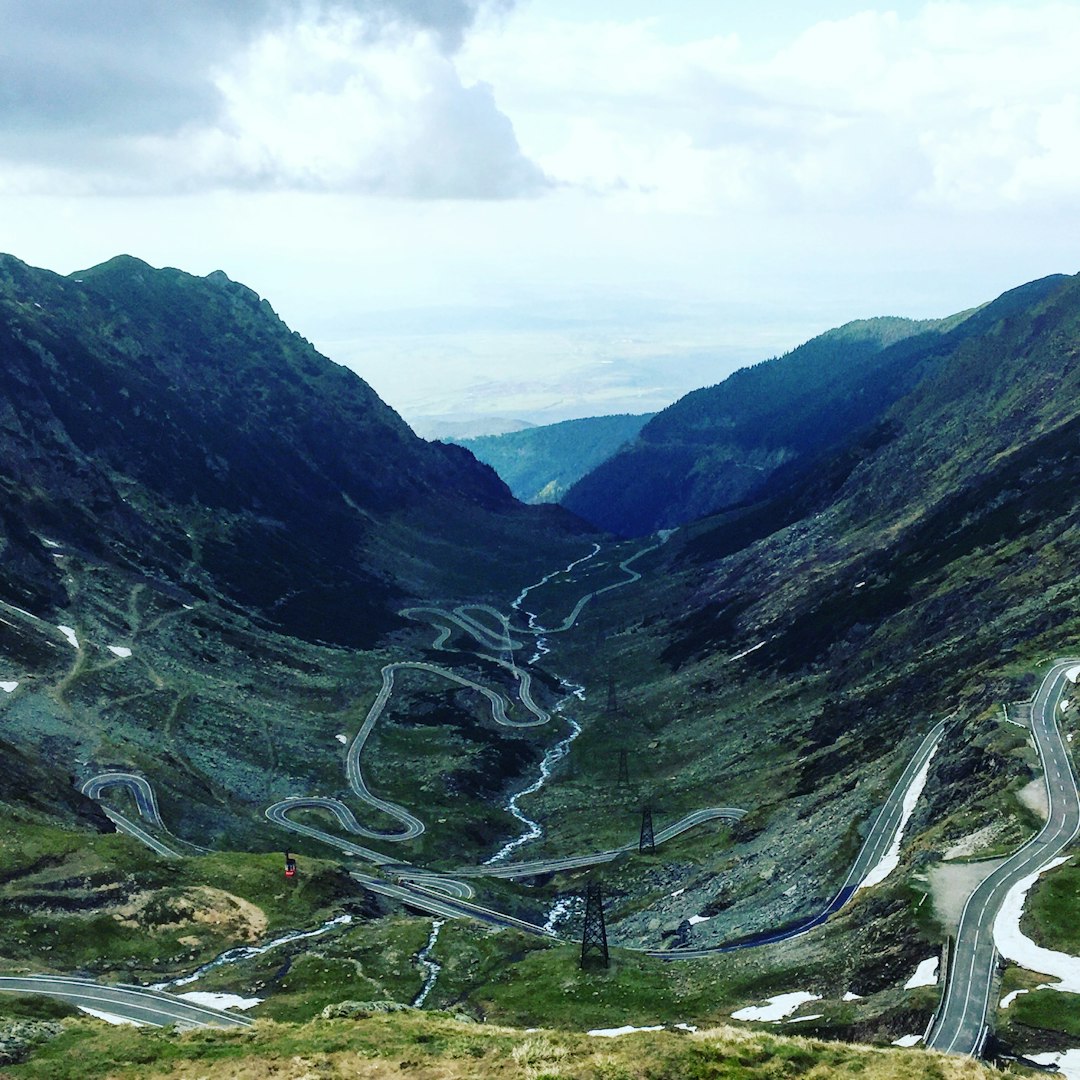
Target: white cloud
point(344, 95)
point(959, 106)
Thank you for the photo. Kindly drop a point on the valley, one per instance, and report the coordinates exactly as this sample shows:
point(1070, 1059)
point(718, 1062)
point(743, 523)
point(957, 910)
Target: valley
point(310, 630)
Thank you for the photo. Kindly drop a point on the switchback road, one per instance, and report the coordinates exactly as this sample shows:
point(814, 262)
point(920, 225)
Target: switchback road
point(961, 1023)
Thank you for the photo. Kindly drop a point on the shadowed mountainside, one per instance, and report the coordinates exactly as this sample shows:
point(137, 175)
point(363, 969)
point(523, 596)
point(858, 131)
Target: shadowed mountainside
point(539, 464)
point(175, 425)
point(717, 446)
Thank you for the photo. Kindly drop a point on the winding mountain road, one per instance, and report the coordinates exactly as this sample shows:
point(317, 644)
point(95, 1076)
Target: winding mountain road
point(962, 1016)
point(132, 1003)
point(145, 802)
point(961, 1022)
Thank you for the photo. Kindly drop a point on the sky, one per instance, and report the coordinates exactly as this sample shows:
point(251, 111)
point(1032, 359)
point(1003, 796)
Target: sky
point(543, 209)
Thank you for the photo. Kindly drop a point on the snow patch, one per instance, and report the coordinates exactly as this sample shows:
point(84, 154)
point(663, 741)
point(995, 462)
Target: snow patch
point(1016, 946)
point(800, 1019)
point(110, 1018)
point(1068, 1062)
point(907, 1040)
point(1073, 673)
point(777, 1008)
point(119, 650)
point(695, 919)
point(341, 739)
point(746, 652)
point(8, 687)
point(1009, 998)
point(220, 1001)
point(925, 974)
point(69, 633)
point(849, 996)
point(610, 1033)
point(891, 860)
point(1065, 706)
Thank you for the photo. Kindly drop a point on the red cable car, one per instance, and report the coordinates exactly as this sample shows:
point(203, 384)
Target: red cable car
point(290, 866)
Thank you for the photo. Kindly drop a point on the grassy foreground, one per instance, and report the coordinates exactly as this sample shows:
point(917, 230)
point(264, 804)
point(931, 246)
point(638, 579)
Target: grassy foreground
point(422, 1045)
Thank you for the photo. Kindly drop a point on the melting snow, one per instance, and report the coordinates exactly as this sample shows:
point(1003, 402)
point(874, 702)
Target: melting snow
point(119, 650)
point(1068, 1061)
point(341, 739)
point(220, 1001)
point(610, 1033)
point(1009, 998)
point(7, 687)
point(69, 633)
point(746, 652)
point(800, 1019)
point(110, 1018)
point(780, 1006)
point(1073, 673)
point(1065, 706)
point(1016, 946)
point(925, 974)
point(695, 919)
point(849, 996)
point(907, 1040)
point(891, 859)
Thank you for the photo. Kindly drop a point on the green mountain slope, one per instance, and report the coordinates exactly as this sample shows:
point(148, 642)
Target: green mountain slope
point(791, 651)
point(539, 464)
point(715, 446)
point(175, 425)
point(912, 558)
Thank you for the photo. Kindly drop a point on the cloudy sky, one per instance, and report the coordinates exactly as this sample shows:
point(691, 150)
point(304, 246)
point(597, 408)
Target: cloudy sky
point(550, 208)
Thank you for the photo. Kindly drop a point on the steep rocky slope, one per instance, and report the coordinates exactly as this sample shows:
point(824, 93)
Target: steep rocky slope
point(718, 446)
point(791, 651)
point(176, 426)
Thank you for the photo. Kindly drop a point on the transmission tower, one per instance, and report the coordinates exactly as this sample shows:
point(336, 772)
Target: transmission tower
point(624, 769)
point(647, 843)
point(594, 936)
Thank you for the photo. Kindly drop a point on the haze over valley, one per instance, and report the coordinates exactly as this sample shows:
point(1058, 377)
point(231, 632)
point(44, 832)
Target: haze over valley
point(508, 569)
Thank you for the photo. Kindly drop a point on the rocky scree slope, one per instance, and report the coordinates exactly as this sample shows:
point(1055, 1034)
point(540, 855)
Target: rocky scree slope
point(174, 425)
point(922, 568)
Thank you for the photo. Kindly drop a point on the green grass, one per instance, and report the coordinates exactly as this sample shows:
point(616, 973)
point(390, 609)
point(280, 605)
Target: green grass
point(1047, 1009)
point(1050, 912)
point(66, 888)
point(413, 1044)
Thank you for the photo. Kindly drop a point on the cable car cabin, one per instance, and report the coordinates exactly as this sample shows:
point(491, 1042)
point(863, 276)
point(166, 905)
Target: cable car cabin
point(290, 866)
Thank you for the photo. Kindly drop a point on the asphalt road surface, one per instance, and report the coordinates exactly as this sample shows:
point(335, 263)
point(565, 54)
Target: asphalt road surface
point(961, 1022)
point(139, 1005)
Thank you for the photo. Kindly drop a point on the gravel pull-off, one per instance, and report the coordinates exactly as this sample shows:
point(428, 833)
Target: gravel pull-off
point(952, 883)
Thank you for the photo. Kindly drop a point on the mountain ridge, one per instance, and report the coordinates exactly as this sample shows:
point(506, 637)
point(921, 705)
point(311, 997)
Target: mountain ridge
point(160, 396)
